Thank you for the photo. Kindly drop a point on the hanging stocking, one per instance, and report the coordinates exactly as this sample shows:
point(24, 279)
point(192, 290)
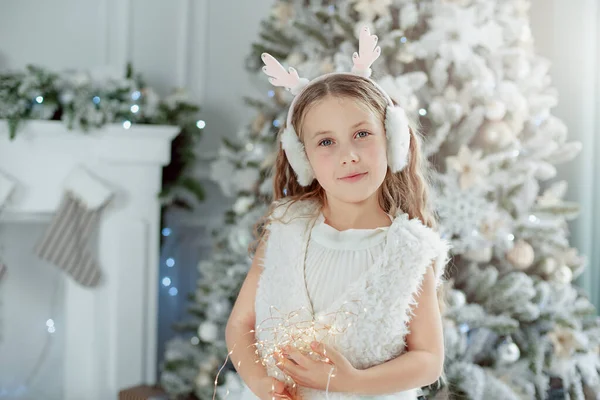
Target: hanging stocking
point(65, 243)
point(7, 186)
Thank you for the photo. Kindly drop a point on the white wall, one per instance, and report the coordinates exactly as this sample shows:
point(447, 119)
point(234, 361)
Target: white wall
point(568, 33)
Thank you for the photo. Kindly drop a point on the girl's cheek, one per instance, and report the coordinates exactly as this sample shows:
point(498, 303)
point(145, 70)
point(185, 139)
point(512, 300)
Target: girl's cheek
point(324, 158)
point(375, 149)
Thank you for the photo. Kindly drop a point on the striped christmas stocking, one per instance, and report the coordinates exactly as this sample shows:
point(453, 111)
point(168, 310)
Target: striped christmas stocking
point(65, 242)
point(2, 269)
point(7, 186)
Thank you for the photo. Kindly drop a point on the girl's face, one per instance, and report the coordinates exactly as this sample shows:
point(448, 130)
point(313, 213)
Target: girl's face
point(346, 145)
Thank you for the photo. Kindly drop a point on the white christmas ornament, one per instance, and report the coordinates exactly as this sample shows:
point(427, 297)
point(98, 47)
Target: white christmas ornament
point(243, 204)
point(208, 331)
point(480, 255)
point(508, 352)
point(521, 255)
point(209, 365)
point(240, 238)
point(203, 380)
point(496, 134)
point(495, 110)
point(548, 266)
point(563, 275)
point(219, 309)
point(458, 298)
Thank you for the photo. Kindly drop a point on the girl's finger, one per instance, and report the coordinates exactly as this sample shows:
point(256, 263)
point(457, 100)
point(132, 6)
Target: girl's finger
point(299, 358)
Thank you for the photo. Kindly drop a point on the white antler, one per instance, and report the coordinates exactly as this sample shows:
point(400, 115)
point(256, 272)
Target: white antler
point(367, 53)
point(278, 76)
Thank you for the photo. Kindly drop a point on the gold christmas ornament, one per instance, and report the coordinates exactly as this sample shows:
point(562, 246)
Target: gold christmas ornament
point(280, 97)
point(259, 122)
point(564, 341)
point(269, 160)
point(283, 12)
point(521, 255)
point(327, 66)
point(295, 58)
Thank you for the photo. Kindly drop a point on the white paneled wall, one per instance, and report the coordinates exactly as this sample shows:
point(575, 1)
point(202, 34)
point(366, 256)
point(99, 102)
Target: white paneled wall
point(58, 34)
point(177, 43)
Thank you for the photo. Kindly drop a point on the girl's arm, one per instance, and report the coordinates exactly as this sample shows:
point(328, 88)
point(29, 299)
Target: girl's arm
point(240, 341)
point(423, 364)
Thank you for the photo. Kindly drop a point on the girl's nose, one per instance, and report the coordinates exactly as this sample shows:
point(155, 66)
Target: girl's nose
point(350, 157)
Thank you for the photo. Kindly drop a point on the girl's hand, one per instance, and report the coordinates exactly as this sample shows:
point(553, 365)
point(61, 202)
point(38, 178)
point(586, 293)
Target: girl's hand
point(315, 374)
point(270, 388)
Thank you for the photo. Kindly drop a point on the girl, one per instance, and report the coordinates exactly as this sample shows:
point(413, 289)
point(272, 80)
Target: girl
point(341, 299)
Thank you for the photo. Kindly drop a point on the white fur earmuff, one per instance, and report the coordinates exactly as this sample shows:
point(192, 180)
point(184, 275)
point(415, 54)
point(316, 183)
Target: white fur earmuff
point(296, 155)
point(398, 138)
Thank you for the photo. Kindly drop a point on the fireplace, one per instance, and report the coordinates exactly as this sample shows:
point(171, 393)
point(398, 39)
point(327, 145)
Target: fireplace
point(103, 338)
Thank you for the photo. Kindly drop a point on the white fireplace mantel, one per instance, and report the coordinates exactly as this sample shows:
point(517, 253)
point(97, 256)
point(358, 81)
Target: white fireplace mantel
point(110, 332)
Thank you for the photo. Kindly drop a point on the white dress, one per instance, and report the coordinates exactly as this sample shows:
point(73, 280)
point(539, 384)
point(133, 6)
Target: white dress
point(317, 280)
point(334, 259)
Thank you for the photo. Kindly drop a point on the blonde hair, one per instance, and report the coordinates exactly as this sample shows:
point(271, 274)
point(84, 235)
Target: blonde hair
point(407, 190)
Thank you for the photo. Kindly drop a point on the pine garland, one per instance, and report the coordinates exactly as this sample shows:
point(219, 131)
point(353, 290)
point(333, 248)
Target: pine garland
point(85, 101)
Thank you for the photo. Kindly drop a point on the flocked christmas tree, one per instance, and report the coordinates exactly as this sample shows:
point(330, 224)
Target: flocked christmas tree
point(516, 327)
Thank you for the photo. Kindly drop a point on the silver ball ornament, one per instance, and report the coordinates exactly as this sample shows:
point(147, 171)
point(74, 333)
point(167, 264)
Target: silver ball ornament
point(508, 352)
point(208, 331)
point(457, 298)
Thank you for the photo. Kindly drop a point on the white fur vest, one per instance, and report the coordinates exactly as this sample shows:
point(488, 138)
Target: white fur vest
point(369, 322)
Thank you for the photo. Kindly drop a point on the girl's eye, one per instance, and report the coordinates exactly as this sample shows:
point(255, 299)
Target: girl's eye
point(325, 142)
point(362, 134)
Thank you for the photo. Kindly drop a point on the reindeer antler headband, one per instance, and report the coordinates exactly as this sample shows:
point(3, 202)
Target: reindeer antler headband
point(396, 122)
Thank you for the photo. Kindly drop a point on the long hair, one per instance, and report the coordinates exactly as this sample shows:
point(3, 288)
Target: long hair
point(407, 190)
